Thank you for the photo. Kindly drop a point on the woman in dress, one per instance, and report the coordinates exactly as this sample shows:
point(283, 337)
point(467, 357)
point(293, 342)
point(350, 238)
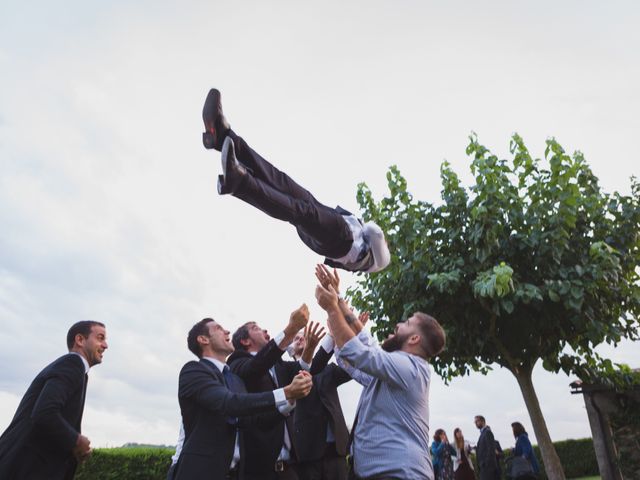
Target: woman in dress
point(462, 465)
point(441, 452)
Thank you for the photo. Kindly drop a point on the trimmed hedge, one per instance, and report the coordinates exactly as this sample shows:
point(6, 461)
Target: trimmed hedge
point(577, 457)
point(126, 464)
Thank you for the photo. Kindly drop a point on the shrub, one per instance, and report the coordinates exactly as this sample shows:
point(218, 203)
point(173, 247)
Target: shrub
point(126, 464)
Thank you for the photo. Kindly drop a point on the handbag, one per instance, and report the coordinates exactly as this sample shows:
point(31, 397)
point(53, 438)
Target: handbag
point(520, 467)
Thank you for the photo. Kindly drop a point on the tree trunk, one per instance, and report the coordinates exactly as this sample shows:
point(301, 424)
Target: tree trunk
point(552, 464)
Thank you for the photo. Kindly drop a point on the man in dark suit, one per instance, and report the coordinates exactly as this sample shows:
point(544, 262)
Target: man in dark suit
point(211, 400)
point(321, 434)
point(43, 440)
point(345, 240)
point(257, 360)
point(486, 450)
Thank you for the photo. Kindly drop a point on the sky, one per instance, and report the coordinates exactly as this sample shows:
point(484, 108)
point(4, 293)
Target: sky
point(108, 205)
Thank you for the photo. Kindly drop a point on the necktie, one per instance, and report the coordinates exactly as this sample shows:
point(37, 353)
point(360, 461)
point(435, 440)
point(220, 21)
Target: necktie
point(232, 384)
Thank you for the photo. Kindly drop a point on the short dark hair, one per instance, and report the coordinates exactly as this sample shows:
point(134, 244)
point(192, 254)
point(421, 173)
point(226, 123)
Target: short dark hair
point(83, 327)
point(436, 435)
point(198, 329)
point(242, 333)
point(481, 418)
point(432, 335)
point(518, 429)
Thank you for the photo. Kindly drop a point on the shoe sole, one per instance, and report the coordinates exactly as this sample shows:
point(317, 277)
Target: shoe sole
point(211, 105)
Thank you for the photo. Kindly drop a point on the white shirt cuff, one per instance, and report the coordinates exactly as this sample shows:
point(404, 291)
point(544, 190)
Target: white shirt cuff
point(278, 338)
point(327, 343)
point(287, 408)
point(304, 365)
point(280, 397)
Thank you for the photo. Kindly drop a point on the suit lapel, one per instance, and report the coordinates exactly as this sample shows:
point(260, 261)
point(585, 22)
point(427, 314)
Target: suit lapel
point(213, 369)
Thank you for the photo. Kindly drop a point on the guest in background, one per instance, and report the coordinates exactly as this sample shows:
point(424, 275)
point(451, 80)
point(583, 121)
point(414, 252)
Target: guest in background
point(486, 451)
point(441, 451)
point(462, 465)
point(523, 448)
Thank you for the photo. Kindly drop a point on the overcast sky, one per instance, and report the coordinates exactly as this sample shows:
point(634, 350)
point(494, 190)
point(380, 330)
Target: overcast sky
point(108, 206)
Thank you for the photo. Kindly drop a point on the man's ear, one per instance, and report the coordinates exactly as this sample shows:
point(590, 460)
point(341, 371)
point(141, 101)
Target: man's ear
point(79, 340)
point(414, 339)
point(203, 340)
point(246, 342)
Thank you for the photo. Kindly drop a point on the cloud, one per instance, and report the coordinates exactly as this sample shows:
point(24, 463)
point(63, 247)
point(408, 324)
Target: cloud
point(107, 200)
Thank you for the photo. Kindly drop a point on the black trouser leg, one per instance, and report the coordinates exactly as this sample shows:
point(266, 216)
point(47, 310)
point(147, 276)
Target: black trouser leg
point(266, 172)
point(276, 194)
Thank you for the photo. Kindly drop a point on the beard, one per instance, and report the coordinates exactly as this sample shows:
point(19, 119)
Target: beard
point(394, 343)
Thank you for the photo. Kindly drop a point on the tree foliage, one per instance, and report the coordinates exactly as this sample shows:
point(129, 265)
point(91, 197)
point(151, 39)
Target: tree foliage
point(533, 261)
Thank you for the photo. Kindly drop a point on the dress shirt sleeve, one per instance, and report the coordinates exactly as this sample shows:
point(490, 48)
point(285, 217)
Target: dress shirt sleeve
point(278, 338)
point(283, 405)
point(327, 343)
point(304, 365)
point(394, 368)
point(362, 378)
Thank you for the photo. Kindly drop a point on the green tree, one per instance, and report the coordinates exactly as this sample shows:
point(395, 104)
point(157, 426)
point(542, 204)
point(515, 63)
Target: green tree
point(532, 262)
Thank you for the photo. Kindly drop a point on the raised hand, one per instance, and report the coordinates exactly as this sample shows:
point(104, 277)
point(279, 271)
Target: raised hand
point(313, 333)
point(326, 278)
point(364, 318)
point(299, 387)
point(299, 318)
point(327, 298)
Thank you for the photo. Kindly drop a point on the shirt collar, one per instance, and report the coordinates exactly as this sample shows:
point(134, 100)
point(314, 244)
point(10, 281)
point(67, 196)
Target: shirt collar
point(84, 361)
point(220, 365)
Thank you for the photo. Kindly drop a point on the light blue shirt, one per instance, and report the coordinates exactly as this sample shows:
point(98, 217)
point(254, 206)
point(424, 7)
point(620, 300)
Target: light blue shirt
point(391, 436)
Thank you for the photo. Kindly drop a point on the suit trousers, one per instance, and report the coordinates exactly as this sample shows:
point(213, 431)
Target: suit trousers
point(279, 196)
point(288, 474)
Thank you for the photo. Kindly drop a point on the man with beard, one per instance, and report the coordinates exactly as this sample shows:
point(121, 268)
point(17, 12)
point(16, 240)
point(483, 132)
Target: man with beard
point(486, 453)
point(392, 420)
point(44, 439)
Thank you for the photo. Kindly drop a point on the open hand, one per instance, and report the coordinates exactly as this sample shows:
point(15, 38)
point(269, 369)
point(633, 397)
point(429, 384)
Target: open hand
point(313, 333)
point(327, 298)
point(326, 278)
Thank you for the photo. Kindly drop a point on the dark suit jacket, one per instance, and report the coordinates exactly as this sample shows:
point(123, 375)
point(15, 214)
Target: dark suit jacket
point(206, 405)
point(45, 428)
point(263, 443)
point(486, 454)
point(317, 410)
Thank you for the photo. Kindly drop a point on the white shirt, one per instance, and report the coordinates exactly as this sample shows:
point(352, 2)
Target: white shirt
point(358, 240)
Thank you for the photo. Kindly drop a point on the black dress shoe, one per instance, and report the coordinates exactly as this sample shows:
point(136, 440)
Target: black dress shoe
point(233, 172)
point(222, 188)
point(215, 125)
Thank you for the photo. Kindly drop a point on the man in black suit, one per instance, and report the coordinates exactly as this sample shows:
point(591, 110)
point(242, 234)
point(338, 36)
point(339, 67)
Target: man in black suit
point(211, 400)
point(43, 440)
point(257, 360)
point(486, 450)
point(321, 434)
